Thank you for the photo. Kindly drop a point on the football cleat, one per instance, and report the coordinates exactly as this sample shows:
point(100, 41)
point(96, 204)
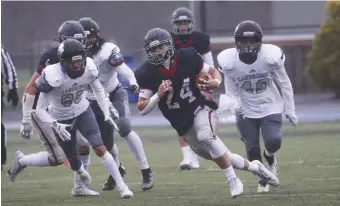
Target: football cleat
point(148, 179)
point(83, 191)
point(15, 168)
point(265, 175)
point(124, 191)
point(110, 184)
point(236, 187)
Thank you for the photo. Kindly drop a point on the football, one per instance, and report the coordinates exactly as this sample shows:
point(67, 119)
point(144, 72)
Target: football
point(202, 76)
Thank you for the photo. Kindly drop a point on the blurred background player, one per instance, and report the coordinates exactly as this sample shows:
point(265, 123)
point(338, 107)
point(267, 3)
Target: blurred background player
point(184, 36)
point(8, 77)
point(110, 62)
point(252, 70)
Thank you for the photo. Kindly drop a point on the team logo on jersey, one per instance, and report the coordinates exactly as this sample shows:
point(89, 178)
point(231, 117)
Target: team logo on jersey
point(75, 87)
point(252, 76)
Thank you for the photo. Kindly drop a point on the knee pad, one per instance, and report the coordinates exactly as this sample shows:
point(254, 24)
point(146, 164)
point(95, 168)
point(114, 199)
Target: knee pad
point(273, 145)
point(215, 148)
point(124, 126)
point(254, 153)
point(84, 150)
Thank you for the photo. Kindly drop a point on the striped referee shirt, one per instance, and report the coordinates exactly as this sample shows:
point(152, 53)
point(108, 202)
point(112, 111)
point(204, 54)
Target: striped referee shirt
point(8, 73)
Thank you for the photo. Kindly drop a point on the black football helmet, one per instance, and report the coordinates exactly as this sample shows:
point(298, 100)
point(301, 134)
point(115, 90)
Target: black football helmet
point(92, 30)
point(158, 46)
point(72, 57)
point(248, 38)
point(71, 29)
point(182, 21)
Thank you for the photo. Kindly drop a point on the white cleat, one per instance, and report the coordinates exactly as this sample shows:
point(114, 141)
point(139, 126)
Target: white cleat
point(266, 175)
point(236, 187)
point(15, 168)
point(185, 164)
point(195, 164)
point(83, 191)
point(262, 189)
point(124, 191)
point(85, 178)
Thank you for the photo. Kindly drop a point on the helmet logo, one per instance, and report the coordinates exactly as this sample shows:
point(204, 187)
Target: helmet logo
point(61, 48)
point(182, 18)
point(154, 43)
point(78, 57)
point(248, 33)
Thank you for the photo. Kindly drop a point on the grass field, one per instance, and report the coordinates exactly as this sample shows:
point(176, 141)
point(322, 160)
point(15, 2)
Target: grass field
point(309, 173)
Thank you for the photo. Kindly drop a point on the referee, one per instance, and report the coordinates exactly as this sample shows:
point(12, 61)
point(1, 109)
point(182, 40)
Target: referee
point(9, 77)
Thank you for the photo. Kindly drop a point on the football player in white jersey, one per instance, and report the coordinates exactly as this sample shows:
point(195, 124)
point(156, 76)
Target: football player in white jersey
point(251, 71)
point(53, 154)
point(64, 84)
point(110, 62)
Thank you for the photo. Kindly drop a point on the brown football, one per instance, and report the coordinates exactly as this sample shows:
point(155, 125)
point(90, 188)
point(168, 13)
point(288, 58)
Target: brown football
point(202, 75)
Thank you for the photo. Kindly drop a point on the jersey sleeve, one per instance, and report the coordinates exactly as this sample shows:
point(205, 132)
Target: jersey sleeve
point(42, 84)
point(203, 41)
point(142, 79)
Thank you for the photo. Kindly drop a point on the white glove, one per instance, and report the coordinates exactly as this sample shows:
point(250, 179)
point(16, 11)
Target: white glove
point(113, 112)
point(292, 119)
point(111, 122)
point(26, 129)
point(61, 130)
point(238, 112)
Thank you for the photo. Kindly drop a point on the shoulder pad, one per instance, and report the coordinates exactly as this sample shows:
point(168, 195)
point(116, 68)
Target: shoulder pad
point(108, 48)
point(185, 52)
point(92, 68)
point(53, 75)
point(273, 54)
point(226, 59)
point(202, 36)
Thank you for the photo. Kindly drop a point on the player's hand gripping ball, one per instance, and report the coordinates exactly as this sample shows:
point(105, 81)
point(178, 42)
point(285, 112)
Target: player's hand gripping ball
point(202, 80)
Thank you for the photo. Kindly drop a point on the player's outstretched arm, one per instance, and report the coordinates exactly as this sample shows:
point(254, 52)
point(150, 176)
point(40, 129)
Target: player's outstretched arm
point(147, 101)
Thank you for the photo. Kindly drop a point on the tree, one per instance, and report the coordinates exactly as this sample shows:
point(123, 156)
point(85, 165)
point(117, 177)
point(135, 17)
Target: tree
point(324, 57)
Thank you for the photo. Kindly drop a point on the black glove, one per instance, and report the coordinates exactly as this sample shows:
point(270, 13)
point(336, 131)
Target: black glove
point(13, 96)
point(133, 88)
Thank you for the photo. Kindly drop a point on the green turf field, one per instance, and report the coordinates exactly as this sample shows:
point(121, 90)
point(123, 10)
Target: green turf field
point(309, 173)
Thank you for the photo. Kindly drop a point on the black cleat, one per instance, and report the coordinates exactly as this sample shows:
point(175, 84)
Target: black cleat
point(110, 183)
point(148, 179)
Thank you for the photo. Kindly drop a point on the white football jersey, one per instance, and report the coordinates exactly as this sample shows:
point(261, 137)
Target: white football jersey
point(107, 75)
point(253, 85)
point(67, 99)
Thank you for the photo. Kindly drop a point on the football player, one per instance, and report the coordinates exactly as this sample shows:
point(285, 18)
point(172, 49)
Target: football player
point(110, 62)
point(184, 36)
point(251, 70)
point(168, 80)
point(64, 84)
point(53, 154)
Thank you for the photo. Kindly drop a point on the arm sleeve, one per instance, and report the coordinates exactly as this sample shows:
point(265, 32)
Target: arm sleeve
point(11, 78)
point(232, 91)
point(208, 58)
point(282, 79)
point(127, 73)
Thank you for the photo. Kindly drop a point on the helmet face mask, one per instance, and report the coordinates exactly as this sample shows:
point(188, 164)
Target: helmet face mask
point(72, 58)
point(248, 45)
point(182, 21)
point(159, 52)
